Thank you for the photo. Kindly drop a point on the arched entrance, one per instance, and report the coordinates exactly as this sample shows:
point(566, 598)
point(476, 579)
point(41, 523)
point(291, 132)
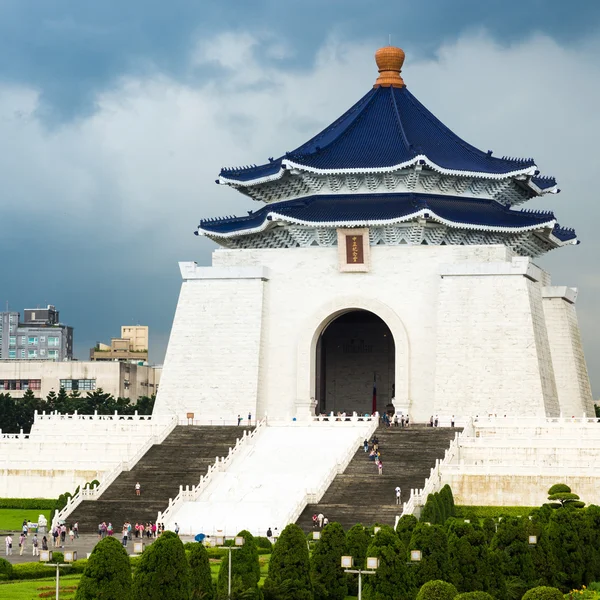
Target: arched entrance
point(355, 364)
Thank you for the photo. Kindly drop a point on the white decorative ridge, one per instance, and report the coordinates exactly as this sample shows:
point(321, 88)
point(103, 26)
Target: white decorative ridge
point(530, 170)
point(423, 213)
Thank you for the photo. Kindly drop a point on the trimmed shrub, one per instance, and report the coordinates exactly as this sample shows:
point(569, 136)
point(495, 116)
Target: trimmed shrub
point(482, 512)
point(565, 539)
point(433, 543)
point(35, 571)
point(474, 596)
point(489, 529)
point(201, 584)
point(512, 541)
point(467, 556)
point(263, 543)
point(447, 501)
point(163, 571)
point(289, 568)
point(28, 503)
point(357, 542)
point(429, 513)
point(543, 593)
point(107, 573)
point(6, 569)
point(393, 579)
point(245, 570)
point(437, 590)
point(404, 529)
point(328, 577)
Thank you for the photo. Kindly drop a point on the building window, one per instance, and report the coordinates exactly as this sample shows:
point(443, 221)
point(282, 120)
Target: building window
point(32, 341)
point(11, 318)
point(20, 384)
point(23, 340)
point(52, 341)
point(12, 354)
point(12, 340)
point(42, 339)
point(32, 354)
point(53, 354)
point(22, 353)
point(78, 384)
point(42, 351)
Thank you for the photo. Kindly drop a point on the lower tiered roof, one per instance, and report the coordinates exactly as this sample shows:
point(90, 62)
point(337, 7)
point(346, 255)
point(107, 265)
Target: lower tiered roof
point(365, 210)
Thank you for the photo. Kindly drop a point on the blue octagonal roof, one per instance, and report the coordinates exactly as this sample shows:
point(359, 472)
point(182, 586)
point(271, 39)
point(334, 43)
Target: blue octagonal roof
point(386, 129)
point(355, 210)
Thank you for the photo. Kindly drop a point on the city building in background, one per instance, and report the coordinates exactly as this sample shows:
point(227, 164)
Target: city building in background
point(132, 346)
point(120, 379)
point(40, 336)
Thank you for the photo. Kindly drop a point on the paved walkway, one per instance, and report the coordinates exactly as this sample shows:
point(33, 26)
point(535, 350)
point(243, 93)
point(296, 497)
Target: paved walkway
point(83, 545)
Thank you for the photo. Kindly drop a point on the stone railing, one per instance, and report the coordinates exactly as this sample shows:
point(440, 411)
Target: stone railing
point(188, 494)
point(108, 478)
point(344, 418)
point(75, 416)
point(433, 483)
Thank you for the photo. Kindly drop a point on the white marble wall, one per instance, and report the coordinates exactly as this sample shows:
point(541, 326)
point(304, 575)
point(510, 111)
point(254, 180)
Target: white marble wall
point(468, 325)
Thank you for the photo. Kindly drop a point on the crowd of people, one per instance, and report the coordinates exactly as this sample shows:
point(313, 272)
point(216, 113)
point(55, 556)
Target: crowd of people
point(128, 531)
point(319, 520)
point(372, 448)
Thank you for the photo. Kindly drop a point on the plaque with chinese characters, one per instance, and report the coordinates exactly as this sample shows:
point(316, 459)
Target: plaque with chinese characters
point(353, 250)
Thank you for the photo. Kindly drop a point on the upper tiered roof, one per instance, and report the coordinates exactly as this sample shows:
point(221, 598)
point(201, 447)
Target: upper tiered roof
point(386, 130)
point(389, 164)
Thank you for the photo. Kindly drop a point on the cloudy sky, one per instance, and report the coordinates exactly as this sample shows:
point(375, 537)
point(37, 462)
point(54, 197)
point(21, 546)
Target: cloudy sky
point(116, 117)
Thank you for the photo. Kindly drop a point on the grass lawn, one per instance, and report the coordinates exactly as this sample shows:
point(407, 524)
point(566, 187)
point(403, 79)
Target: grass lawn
point(12, 518)
point(29, 590)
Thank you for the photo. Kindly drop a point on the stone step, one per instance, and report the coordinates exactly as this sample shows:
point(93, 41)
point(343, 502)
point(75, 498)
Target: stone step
point(182, 459)
point(361, 495)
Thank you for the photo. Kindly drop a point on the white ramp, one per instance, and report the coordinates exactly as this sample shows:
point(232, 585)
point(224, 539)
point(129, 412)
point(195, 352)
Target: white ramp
point(269, 482)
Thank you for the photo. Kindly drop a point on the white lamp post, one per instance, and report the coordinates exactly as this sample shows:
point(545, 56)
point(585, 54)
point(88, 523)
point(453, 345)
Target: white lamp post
point(372, 565)
point(239, 541)
point(46, 557)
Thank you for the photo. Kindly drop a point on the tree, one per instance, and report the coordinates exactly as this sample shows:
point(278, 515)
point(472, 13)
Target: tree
point(542, 555)
point(404, 529)
point(543, 593)
point(447, 501)
point(328, 577)
point(512, 540)
point(565, 537)
point(289, 568)
point(591, 543)
point(428, 512)
point(560, 496)
point(467, 557)
point(474, 596)
point(245, 570)
point(393, 580)
point(107, 574)
point(201, 585)
point(357, 543)
point(489, 529)
point(163, 572)
point(432, 541)
point(437, 590)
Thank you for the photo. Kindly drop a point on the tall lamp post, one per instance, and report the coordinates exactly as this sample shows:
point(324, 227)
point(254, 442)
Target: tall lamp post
point(372, 564)
point(46, 557)
point(239, 541)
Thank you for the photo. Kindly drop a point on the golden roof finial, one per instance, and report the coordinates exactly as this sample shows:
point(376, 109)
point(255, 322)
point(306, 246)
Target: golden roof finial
point(389, 61)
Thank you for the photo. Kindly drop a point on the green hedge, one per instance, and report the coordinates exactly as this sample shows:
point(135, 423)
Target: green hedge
point(482, 512)
point(28, 503)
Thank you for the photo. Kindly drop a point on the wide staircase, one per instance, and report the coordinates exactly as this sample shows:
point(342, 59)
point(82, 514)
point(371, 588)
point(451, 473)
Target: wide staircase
point(182, 458)
point(361, 495)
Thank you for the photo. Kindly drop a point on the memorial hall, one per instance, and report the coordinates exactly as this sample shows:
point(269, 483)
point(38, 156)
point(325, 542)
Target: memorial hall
point(385, 270)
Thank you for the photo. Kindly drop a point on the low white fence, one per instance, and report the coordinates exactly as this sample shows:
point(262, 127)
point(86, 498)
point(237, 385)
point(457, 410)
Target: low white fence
point(108, 478)
point(188, 494)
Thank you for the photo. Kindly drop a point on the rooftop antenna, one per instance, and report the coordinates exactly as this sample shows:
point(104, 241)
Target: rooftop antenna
point(389, 39)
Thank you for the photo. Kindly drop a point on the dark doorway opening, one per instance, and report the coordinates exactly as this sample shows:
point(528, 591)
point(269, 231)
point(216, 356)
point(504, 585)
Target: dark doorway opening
point(354, 352)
